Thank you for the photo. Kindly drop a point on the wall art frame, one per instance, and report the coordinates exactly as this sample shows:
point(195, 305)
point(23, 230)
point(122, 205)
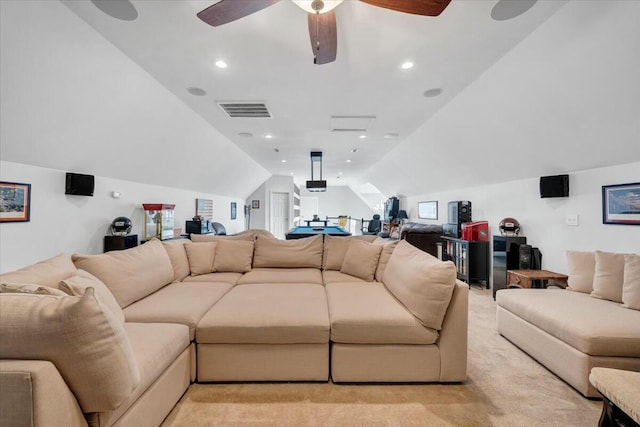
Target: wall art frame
point(428, 210)
point(15, 202)
point(234, 211)
point(621, 204)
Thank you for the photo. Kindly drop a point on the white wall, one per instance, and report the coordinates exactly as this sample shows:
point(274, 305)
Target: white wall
point(261, 218)
point(543, 220)
point(339, 200)
point(68, 224)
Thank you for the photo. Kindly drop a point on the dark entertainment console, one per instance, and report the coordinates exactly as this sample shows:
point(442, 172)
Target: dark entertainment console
point(470, 257)
point(506, 256)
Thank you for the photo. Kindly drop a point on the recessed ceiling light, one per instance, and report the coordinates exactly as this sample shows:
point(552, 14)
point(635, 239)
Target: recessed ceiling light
point(407, 65)
point(391, 136)
point(196, 91)
point(432, 92)
point(268, 136)
point(245, 134)
point(340, 173)
point(284, 160)
point(348, 160)
point(363, 136)
point(221, 64)
point(291, 173)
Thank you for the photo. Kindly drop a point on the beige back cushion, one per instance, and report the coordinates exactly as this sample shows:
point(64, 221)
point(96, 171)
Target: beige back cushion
point(131, 274)
point(201, 257)
point(178, 256)
point(581, 268)
point(631, 285)
point(233, 255)
point(249, 237)
point(361, 259)
point(81, 280)
point(80, 337)
point(48, 272)
point(387, 249)
point(335, 248)
point(24, 288)
point(297, 253)
point(421, 282)
point(609, 277)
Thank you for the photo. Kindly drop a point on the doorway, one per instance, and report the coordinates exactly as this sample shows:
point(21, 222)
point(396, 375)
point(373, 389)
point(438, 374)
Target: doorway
point(279, 214)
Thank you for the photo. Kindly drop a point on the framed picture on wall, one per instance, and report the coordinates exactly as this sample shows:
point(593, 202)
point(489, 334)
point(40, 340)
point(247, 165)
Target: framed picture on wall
point(15, 202)
point(233, 210)
point(255, 204)
point(428, 210)
point(621, 204)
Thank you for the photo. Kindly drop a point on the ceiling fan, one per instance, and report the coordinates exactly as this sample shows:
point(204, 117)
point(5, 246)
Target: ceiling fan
point(321, 17)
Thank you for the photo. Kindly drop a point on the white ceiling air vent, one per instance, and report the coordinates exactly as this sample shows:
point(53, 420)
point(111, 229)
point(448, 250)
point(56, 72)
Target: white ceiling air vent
point(246, 109)
point(351, 123)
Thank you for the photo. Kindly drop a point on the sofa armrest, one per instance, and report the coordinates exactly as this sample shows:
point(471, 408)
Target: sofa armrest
point(33, 393)
point(453, 336)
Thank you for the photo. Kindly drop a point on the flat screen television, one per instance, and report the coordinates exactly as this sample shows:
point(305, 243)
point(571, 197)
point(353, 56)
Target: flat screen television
point(391, 208)
point(78, 184)
point(554, 186)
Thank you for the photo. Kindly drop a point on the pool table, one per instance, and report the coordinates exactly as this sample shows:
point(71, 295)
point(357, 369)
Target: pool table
point(302, 231)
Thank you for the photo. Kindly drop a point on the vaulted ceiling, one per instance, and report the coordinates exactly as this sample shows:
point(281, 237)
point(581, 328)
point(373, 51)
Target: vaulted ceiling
point(536, 94)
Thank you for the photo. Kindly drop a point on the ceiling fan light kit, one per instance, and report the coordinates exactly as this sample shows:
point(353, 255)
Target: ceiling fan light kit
point(317, 6)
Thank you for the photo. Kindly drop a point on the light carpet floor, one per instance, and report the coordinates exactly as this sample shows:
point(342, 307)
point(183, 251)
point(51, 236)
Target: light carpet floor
point(505, 387)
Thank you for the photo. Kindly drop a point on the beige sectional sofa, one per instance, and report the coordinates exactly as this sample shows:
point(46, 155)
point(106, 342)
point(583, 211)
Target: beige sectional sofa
point(595, 322)
point(116, 338)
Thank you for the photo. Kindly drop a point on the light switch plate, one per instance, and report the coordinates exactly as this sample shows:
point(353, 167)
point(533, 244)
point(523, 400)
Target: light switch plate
point(572, 220)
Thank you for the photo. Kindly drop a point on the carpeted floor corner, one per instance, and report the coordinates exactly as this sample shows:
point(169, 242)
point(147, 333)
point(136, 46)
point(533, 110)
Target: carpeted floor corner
point(505, 387)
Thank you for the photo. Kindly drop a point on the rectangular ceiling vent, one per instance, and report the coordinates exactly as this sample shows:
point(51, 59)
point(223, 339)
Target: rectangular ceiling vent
point(247, 110)
point(351, 123)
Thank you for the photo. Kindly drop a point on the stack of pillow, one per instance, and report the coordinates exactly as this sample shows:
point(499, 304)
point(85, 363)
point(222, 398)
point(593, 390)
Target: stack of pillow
point(610, 276)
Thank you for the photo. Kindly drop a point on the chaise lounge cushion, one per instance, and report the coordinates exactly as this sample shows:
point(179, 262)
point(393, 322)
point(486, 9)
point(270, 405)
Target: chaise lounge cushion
point(47, 273)
point(366, 313)
point(593, 326)
point(131, 274)
point(268, 313)
point(421, 282)
point(80, 336)
point(184, 303)
point(299, 253)
point(281, 275)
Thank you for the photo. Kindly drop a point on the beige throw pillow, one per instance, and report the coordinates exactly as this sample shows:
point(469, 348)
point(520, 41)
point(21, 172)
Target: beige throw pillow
point(609, 277)
point(201, 257)
point(581, 268)
point(48, 272)
point(631, 284)
point(81, 280)
point(335, 248)
point(421, 282)
point(387, 249)
point(178, 255)
point(361, 260)
point(22, 288)
point(297, 253)
point(131, 274)
point(233, 256)
point(80, 337)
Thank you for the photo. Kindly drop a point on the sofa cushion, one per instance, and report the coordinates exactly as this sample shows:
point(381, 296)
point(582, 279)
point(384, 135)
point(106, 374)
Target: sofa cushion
point(631, 285)
point(298, 253)
point(366, 313)
point(80, 336)
point(130, 274)
point(361, 260)
point(178, 256)
point(331, 276)
point(387, 249)
point(581, 268)
point(421, 282)
point(47, 273)
point(25, 288)
point(335, 248)
point(609, 276)
point(268, 313)
point(81, 280)
point(593, 326)
point(226, 277)
point(200, 256)
point(233, 255)
point(184, 303)
point(282, 275)
point(248, 237)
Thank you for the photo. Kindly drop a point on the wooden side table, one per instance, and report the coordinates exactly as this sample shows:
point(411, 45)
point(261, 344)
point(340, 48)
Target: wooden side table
point(534, 278)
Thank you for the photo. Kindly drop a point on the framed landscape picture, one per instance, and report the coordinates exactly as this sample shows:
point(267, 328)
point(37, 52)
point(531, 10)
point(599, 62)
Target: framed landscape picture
point(428, 210)
point(234, 212)
point(621, 204)
point(15, 202)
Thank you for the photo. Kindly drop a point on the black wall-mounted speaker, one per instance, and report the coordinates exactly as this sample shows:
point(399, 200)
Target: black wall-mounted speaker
point(78, 184)
point(554, 186)
point(459, 212)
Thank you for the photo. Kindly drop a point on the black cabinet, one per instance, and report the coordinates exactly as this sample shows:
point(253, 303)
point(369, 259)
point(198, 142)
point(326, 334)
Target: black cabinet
point(506, 256)
point(470, 257)
point(118, 243)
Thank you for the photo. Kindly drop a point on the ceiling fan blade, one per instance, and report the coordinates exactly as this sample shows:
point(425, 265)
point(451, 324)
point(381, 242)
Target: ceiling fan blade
point(323, 35)
point(417, 7)
point(226, 11)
